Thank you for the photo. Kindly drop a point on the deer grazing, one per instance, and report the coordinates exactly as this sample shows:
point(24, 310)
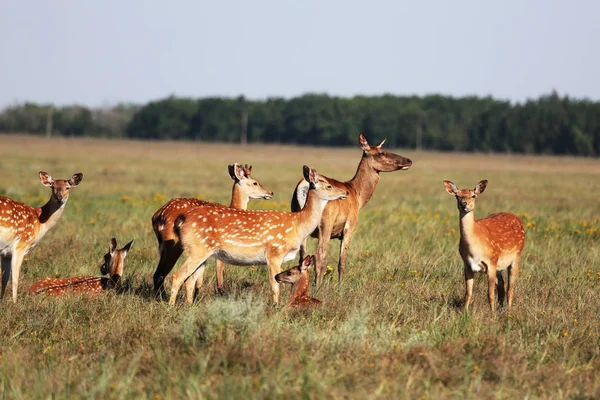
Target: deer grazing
point(113, 264)
point(244, 189)
point(487, 245)
point(22, 226)
point(243, 237)
point(340, 218)
point(299, 278)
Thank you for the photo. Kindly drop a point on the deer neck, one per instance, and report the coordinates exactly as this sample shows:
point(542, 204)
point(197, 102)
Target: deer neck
point(50, 213)
point(239, 199)
point(310, 215)
point(364, 182)
point(467, 226)
point(300, 288)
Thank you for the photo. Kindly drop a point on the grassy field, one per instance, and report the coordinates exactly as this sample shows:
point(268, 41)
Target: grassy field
point(395, 329)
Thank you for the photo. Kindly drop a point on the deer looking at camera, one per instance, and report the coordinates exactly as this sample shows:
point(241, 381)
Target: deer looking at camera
point(243, 237)
point(113, 264)
point(340, 217)
point(299, 278)
point(244, 189)
point(22, 226)
point(487, 245)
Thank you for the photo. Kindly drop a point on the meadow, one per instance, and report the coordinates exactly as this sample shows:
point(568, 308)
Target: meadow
point(396, 328)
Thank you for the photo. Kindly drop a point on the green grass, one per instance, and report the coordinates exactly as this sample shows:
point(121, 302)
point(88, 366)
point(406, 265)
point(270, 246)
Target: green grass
point(395, 329)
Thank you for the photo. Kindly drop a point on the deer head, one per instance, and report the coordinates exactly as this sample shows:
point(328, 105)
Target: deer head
point(242, 175)
point(465, 198)
point(294, 274)
point(114, 260)
point(381, 160)
point(323, 189)
point(60, 187)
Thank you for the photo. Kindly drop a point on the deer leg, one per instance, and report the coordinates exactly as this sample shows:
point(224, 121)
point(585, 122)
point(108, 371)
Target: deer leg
point(220, 269)
point(193, 284)
point(492, 287)
point(169, 254)
point(187, 269)
point(346, 239)
point(5, 265)
point(513, 270)
point(17, 259)
point(500, 288)
point(302, 251)
point(321, 257)
point(468, 286)
point(274, 264)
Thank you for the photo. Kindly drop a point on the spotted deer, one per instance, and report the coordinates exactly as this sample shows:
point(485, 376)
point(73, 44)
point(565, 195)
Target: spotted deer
point(113, 264)
point(488, 245)
point(340, 218)
point(22, 226)
point(244, 189)
point(244, 237)
point(299, 278)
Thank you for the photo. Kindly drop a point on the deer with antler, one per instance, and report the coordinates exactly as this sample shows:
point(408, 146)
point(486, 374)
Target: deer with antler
point(22, 226)
point(299, 278)
point(244, 237)
point(112, 265)
point(244, 188)
point(487, 245)
point(340, 217)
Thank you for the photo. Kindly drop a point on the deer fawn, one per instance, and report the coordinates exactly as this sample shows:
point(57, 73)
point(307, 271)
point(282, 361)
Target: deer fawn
point(22, 226)
point(487, 245)
point(340, 218)
point(242, 237)
point(299, 278)
point(113, 264)
point(244, 189)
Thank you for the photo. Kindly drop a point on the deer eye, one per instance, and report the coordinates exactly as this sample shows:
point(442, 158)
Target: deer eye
point(329, 187)
point(255, 183)
point(473, 196)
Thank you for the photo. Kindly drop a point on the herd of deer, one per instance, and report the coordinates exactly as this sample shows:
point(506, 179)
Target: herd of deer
point(321, 207)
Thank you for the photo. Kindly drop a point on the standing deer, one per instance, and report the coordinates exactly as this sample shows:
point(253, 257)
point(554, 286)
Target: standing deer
point(113, 264)
point(243, 237)
point(487, 245)
point(340, 218)
point(244, 189)
point(22, 226)
point(299, 278)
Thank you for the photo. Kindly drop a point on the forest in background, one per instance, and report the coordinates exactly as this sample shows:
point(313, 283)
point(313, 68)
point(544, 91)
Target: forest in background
point(551, 124)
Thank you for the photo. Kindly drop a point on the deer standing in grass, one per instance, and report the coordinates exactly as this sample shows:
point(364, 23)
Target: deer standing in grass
point(113, 264)
point(340, 218)
point(244, 189)
point(243, 237)
point(22, 226)
point(487, 245)
point(299, 278)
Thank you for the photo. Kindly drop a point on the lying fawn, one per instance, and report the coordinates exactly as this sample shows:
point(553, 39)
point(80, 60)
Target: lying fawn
point(340, 218)
point(243, 237)
point(22, 226)
point(244, 189)
point(487, 245)
point(299, 278)
point(113, 264)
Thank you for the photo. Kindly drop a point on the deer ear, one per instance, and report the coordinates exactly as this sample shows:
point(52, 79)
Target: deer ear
point(306, 173)
point(248, 169)
point(46, 179)
point(480, 187)
point(307, 262)
point(381, 144)
point(451, 187)
point(362, 142)
point(231, 169)
point(112, 246)
point(76, 179)
point(314, 177)
point(127, 246)
point(240, 173)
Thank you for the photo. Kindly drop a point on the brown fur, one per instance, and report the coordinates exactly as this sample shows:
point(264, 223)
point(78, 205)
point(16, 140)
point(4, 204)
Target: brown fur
point(243, 237)
point(299, 278)
point(22, 226)
point(113, 264)
point(244, 189)
point(489, 245)
point(340, 217)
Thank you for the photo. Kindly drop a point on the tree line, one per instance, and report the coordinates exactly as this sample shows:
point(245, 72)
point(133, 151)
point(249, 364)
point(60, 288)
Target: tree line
point(551, 124)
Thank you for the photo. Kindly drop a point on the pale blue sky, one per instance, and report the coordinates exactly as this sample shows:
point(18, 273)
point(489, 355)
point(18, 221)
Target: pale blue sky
point(107, 51)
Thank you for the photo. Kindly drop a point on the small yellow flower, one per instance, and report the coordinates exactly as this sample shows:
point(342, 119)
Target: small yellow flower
point(565, 334)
